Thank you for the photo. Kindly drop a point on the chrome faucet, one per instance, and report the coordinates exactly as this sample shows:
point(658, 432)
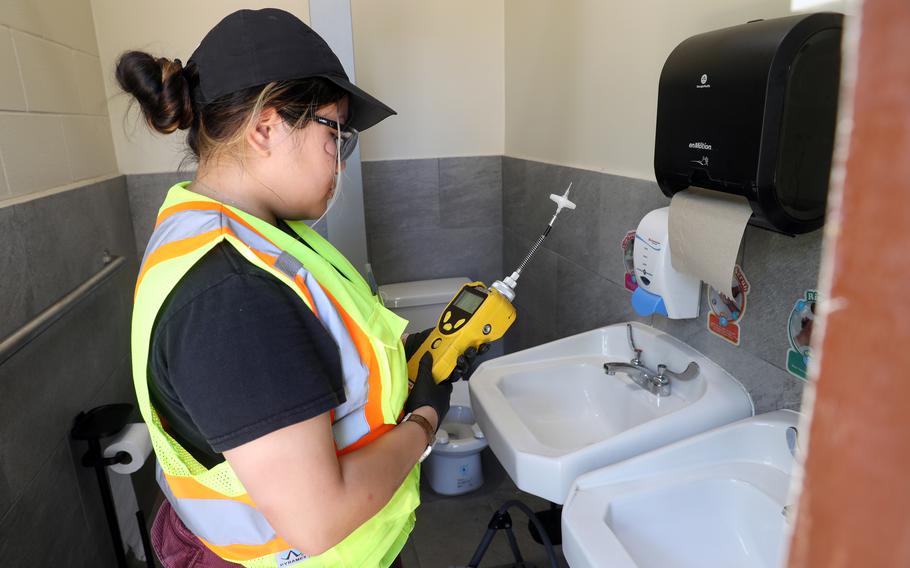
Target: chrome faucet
point(658, 383)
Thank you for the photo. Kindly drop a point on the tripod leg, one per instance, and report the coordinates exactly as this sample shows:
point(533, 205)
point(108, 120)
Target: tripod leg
point(513, 543)
point(500, 520)
point(482, 548)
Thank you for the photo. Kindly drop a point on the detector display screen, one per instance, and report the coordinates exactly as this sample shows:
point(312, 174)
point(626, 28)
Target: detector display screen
point(468, 301)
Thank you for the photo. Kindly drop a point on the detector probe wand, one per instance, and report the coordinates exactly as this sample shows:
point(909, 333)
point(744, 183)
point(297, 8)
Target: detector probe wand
point(477, 315)
point(507, 285)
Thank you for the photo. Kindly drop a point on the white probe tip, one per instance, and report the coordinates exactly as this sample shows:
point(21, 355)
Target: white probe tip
point(563, 200)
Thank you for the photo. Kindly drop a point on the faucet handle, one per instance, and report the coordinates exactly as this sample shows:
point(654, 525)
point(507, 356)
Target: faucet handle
point(690, 372)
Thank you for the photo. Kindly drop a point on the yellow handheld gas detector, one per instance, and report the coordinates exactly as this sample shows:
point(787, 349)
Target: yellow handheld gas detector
point(477, 314)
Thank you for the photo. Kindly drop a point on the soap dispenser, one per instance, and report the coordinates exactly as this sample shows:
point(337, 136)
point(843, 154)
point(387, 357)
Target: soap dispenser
point(661, 289)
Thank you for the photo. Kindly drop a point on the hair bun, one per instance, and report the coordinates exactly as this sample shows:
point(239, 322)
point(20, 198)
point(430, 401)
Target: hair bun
point(162, 88)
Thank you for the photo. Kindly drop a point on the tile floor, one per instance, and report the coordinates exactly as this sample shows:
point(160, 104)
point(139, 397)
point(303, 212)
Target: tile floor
point(449, 529)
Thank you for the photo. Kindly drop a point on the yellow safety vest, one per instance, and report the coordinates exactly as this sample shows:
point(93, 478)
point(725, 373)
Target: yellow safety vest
point(212, 503)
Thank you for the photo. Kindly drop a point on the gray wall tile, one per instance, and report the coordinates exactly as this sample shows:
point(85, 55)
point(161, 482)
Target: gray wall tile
point(514, 182)
point(66, 234)
point(532, 206)
point(528, 331)
point(538, 278)
point(17, 299)
point(401, 195)
point(780, 269)
point(434, 218)
point(587, 301)
point(770, 387)
point(68, 368)
point(436, 253)
point(470, 192)
point(6, 496)
point(578, 234)
point(47, 520)
point(45, 384)
point(109, 200)
point(146, 194)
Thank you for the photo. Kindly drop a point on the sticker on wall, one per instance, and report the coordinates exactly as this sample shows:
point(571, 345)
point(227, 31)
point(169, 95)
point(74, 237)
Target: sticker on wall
point(799, 333)
point(725, 317)
point(628, 260)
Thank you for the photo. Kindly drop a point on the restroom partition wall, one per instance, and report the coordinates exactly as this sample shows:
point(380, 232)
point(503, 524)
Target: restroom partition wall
point(855, 504)
point(50, 506)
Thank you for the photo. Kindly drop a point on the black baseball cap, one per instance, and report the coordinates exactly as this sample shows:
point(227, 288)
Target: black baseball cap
point(249, 48)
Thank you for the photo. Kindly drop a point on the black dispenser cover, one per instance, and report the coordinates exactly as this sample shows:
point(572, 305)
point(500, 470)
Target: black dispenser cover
point(751, 110)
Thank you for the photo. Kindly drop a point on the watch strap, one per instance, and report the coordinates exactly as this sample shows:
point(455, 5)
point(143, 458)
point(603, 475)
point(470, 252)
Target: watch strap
point(423, 423)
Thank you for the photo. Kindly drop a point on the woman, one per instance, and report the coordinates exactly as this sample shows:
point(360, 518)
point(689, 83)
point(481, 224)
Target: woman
point(272, 379)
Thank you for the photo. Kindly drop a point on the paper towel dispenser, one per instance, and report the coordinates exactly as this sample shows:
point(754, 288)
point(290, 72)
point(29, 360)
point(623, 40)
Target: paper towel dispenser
point(750, 110)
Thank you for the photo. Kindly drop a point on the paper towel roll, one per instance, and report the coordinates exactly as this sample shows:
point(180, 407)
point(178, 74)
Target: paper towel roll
point(134, 440)
point(705, 230)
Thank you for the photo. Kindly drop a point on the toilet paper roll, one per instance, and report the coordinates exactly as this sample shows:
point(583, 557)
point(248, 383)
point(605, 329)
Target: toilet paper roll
point(134, 440)
point(126, 505)
point(705, 230)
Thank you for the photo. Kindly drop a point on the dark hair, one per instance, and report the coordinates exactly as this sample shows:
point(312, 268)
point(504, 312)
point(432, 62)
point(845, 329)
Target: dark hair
point(164, 91)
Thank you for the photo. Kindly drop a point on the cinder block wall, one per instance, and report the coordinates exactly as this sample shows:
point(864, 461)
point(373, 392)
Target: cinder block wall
point(62, 204)
point(54, 127)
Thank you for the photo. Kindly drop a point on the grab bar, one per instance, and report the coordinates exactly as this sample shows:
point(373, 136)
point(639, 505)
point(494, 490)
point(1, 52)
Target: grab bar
point(19, 339)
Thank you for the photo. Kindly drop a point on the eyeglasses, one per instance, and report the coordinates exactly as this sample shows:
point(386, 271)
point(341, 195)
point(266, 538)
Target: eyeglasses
point(347, 134)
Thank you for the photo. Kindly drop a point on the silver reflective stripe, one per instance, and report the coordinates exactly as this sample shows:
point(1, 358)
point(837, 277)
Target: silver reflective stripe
point(356, 373)
point(350, 418)
point(175, 228)
point(219, 521)
point(350, 428)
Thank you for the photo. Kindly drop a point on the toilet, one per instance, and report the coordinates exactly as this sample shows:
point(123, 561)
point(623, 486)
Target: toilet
point(454, 465)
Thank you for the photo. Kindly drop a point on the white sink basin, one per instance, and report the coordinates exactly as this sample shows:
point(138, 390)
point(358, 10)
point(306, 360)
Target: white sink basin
point(714, 500)
point(551, 413)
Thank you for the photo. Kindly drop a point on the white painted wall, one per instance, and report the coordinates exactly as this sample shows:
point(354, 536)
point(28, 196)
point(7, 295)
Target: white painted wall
point(582, 75)
point(165, 28)
point(572, 82)
point(440, 64)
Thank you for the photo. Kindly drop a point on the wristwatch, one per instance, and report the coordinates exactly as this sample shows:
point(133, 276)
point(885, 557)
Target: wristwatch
point(427, 427)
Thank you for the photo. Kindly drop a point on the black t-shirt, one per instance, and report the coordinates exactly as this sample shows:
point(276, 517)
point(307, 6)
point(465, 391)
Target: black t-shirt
point(236, 355)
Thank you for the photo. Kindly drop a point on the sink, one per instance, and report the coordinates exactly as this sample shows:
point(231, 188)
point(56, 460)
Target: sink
point(551, 413)
point(713, 500)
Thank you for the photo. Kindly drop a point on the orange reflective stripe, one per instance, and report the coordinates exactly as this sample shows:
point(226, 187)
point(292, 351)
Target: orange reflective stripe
point(189, 488)
point(243, 552)
point(373, 408)
point(186, 206)
point(368, 438)
point(177, 248)
point(208, 206)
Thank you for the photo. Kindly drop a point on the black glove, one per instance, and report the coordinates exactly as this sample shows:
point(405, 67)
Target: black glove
point(427, 393)
point(464, 365)
point(414, 340)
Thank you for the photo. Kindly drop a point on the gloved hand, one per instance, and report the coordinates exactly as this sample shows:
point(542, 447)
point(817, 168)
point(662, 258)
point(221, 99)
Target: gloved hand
point(464, 366)
point(414, 340)
point(426, 392)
